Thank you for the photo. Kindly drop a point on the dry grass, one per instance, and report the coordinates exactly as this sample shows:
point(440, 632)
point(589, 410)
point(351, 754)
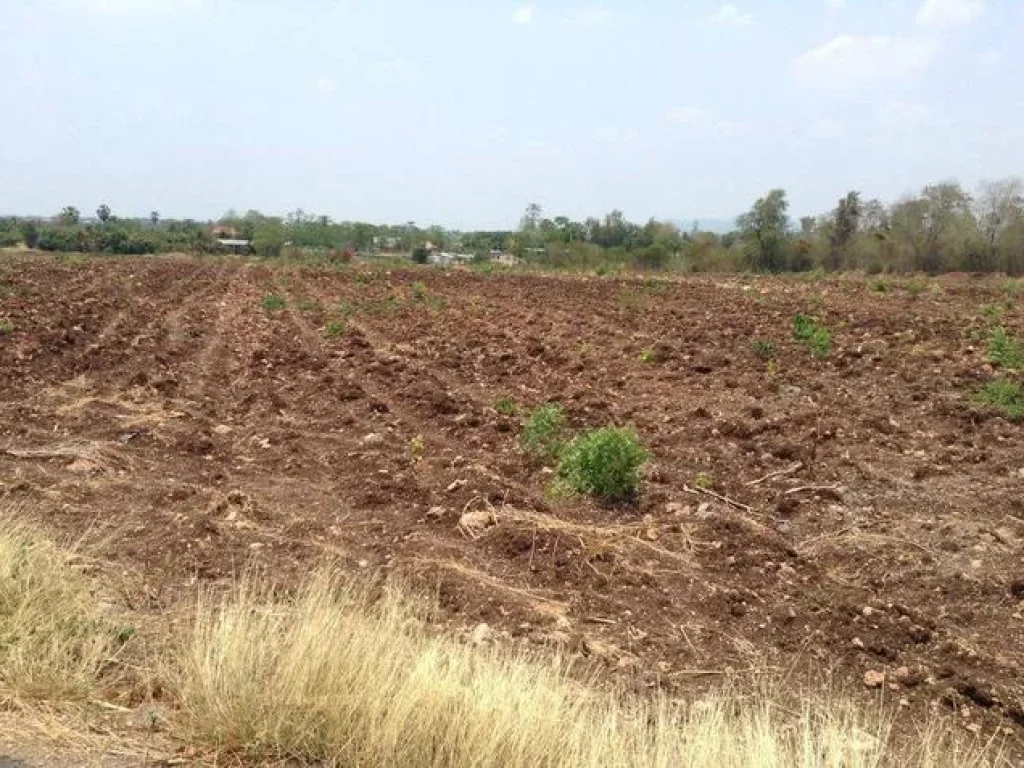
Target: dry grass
point(332, 677)
point(52, 645)
point(336, 674)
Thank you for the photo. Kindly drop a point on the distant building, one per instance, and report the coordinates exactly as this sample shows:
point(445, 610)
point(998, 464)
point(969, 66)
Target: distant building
point(502, 257)
point(444, 258)
point(234, 245)
point(224, 232)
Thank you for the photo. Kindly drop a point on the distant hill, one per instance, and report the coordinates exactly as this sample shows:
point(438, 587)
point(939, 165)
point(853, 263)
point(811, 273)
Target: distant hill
point(719, 226)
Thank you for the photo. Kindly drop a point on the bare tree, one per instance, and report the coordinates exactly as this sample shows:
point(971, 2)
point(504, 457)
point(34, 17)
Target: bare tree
point(999, 204)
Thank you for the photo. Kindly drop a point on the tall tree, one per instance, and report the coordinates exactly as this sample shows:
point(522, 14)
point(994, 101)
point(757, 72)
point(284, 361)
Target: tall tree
point(933, 224)
point(998, 206)
point(69, 216)
point(154, 217)
point(103, 213)
point(845, 223)
point(765, 227)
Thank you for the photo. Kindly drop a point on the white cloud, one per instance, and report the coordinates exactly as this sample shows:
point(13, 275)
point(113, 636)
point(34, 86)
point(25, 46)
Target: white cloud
point(593, 17)
point(849, 60)
point(903, 115)
point(325, 85)
point(730, 15)
point(136, 7)
point(826, 129)
point(949, 13)
point(687, 115)
point(835, 5)
point(992, 59)
point(523, 16)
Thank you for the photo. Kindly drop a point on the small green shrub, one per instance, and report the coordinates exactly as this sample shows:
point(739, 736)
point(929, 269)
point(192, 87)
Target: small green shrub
point(6, 327)
point(364, 278)
point(506, 406)
point(648, 356)
point(657, 287)
point(916, 286)
point(1004, 350)
point(803, 327)
point(419, 291)
point(335, 328)
point(420, 255)
point(881, 286)
point(544, 432)
point(272, 302)
point(1004, 396)
point(764, 349)
point(704, 481)
point(817, 337)
point(821, 343)
point(604, 463)
point(307, 305)
point(993, 312)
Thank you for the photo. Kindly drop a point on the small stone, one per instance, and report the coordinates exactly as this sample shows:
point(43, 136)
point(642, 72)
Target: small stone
point(858, 643)
point(476, 520)
point(456, 485)
point(868, 611)
point(973, 727)
point(364, 563)
point(373, 439)
point(563, 624)
point(481, 634)
point(904, 703)
point(436, 513)
point(222, 429)
point(873, 678)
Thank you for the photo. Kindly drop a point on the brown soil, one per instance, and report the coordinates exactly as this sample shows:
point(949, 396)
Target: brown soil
point(876, 520)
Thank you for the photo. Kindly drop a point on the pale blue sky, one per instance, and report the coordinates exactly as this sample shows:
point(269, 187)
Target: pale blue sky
point(460, 113)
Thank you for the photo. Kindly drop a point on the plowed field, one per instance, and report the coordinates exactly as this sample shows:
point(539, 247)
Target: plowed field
point(802, 516)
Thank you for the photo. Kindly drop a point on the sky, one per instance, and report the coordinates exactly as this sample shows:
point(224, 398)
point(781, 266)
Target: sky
point(461, 112)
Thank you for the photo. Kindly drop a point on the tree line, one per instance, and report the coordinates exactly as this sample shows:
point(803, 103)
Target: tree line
point(941, 228)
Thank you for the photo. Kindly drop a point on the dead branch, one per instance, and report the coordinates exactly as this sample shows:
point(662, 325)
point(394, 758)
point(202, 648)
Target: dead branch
point(720, 497)
point(780, 473)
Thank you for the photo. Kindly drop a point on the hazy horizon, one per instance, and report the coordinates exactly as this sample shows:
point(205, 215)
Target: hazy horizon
point(459, 114)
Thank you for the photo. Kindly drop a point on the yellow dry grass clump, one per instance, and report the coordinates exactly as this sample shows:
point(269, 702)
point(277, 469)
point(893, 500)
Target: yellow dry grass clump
point(343, 675)
point(51, 645)
point(332, 677)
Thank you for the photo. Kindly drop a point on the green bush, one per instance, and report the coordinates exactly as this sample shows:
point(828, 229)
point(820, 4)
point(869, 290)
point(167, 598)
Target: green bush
point(817, 337)
point(6, 327)
point(335, 328)
point(803, 327)
point(420, 255)
point(1004, 396)
point(506, 406)
point(544, 432)
point(1004, 350)
point(764, 349)
point(419, 291)
point(604, 463)
point(272, 302)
